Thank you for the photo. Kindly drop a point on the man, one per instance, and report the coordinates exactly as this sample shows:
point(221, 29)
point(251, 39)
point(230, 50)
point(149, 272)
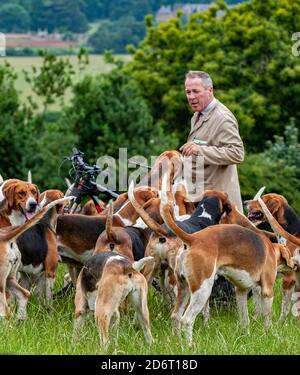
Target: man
point(214, 136)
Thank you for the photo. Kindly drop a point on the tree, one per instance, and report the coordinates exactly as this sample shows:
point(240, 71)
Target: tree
point(65, 15)
point(13, 126)
point(55, 140)
point(51, 80)
point(108, 112)
point(14, 18)
point(116, 35)
point(277, 168)
point(248, 54)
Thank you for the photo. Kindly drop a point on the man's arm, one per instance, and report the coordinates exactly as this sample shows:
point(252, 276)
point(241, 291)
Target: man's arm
point(229, 151)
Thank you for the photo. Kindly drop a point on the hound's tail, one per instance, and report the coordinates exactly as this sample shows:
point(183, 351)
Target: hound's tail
point(165, 212)
point(152, 224)
point(109, 224)
point(277, 228)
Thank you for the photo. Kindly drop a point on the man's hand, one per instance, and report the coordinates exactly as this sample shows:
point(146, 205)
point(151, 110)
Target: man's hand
point(189, 149)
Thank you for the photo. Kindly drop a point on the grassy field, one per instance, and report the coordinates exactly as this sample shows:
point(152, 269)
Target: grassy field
point(96, 65)
point(50, 331)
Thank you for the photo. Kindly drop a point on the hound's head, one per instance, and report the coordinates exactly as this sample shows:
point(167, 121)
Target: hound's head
point(275, 203)
point(48, 196)
point(223, 204)
point(116, 240)
point(19, 199)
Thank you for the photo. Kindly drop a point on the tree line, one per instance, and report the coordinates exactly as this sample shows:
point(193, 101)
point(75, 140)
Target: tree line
point(120, 22)
point(142, 105)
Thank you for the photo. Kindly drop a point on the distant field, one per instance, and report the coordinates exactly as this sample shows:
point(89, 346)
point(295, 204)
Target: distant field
point(96, 65)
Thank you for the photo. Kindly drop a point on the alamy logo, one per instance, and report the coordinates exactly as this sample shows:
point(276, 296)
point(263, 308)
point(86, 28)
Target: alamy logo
point(296, 46)
point(2, 44)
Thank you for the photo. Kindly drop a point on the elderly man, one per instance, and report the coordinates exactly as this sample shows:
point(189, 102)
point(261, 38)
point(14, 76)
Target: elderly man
point(214, 136)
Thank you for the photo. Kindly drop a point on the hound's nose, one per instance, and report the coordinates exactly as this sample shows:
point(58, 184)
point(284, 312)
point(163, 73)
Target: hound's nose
point(162, 239)
point(164, 265)
point(32, 206)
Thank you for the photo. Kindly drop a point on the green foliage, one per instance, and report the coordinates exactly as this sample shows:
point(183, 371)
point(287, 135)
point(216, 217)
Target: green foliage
point(49, 142)
point(116, 35)
point(52, 79)
point(14, 18)
point(248, 54)
point(60, 15)
point(108, 112)
point(278, 168)
point(13, 125)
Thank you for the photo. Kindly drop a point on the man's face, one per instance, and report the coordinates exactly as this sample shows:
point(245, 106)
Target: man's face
point(197, 96)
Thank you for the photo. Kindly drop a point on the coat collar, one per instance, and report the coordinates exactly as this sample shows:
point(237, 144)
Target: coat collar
point(205, 116)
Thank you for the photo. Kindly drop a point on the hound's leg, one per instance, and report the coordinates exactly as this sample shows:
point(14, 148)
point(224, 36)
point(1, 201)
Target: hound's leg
point(241, 300)
point(205, 313)
point(4, 309)
point(51, 263)
point(81, 305)
point(197, 302)
point(107, 303)
point(256, 290)
point(139, 300)
point(288, 288)
point(21, 295)
point(182, 299)
point(267, 301)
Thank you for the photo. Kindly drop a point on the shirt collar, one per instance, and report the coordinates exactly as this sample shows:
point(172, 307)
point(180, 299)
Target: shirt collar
point(210, 105)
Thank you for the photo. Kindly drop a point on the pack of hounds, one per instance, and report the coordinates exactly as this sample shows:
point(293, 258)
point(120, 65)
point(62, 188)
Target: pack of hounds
point(152, 233)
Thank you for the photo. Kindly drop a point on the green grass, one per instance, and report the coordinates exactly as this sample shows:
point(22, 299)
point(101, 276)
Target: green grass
point(96, 65)
point(50, 331)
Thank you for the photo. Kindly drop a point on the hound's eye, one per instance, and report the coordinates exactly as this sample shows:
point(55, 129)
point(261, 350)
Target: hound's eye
point(33, 192)
point(111, 246)
point(22, 194)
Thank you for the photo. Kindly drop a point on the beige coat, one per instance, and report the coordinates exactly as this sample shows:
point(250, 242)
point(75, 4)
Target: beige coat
point(221, 149)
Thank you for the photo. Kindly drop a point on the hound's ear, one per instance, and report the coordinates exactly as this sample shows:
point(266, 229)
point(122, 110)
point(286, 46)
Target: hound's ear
point(189, 206)
point(285, 254)
point(9, 193)
point(145, 266)
point(149, 203)
point(273, 205)
point(227, 207)
point(3, 205)
point(37, 192)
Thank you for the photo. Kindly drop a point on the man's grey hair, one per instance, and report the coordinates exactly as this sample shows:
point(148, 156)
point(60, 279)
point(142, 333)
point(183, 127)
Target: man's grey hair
point(205, 77)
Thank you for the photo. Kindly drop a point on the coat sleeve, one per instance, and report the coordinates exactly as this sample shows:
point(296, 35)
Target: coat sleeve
point(229, 148)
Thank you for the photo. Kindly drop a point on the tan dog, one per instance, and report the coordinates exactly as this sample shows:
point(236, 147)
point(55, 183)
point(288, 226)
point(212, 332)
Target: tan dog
point(10, 258)
point(168, 163)
point(289, 227)
point(104, 283)
point(51, 195)
point(78, 234)
point(18, 202)
point(283, 254)
point(90, 209)
point(39, 252)
point(239, 254)
point(164, 246)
